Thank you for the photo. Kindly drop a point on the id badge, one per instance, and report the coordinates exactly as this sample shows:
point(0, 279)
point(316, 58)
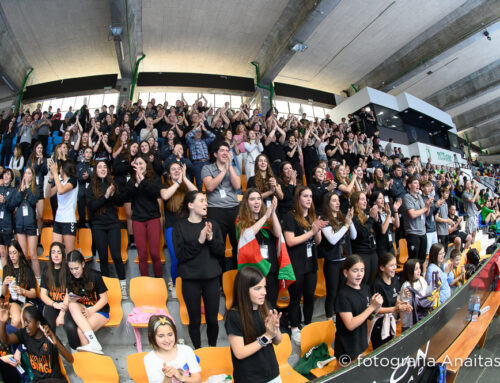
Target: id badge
point(37, 180)
point(309, 251)
point(1, 214)
point(390, 237)
point(25, 211)
point(264, 251)
point(21, 298)
point(268, 203)
point(128, 178)
point(222, 193)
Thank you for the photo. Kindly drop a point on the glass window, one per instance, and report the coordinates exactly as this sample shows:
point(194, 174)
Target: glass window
point(210, 99)
point(158, 96)
point(67, 102)
point(56, 103)
point(80, 101)
point(236, 102)
point(319, 112)
point(45, 105)
point(221, 99)
point(294, 108)
point(110, 99)
point(307, 109)
point(144, 96)
point(282, 107)
point(95, 102)
point(190, 97)
point(172, 97)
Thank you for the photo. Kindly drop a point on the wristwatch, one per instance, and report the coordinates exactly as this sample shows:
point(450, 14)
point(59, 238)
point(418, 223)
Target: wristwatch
point(263, 340)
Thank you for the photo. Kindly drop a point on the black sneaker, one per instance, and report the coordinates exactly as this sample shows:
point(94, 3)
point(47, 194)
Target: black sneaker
point(131, 245)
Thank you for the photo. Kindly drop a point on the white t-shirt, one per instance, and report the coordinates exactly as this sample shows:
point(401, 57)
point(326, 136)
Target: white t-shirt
point(66, 203)
point(186, 359)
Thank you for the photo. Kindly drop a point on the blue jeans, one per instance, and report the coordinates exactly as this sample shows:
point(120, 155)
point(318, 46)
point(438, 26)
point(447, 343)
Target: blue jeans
point(198, 165)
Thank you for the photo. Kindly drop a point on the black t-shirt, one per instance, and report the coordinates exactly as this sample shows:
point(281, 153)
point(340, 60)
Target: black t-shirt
point(274, 151)
point(43, 356)
point(311, 157)
point(286, 204)
point(336, 155)
point(29, 284)
point(304, 255)
point(56, 293)
point(259, 367)
point(355, 342)
point(389, 292)
point(295, 159)
point(90, 297)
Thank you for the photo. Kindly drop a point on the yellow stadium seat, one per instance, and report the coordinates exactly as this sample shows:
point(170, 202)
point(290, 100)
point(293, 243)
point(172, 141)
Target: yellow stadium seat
point(136, 368)
point(114, 301)
point(283, 351)
point(93, 368)
point(46, 240)
point(148, 293)
point(214, 361)
point(228, 286)
point(314, 334)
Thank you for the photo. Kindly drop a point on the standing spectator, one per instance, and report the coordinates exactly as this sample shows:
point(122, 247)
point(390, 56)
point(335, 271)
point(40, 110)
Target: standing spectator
point(222, 181)
point(198, 244)
point(288, 183)
point(7, 194)
point(26, 135)
point(470, 197)
point(38, 162)
point(264, 180)
point(430, 221)
point(443, 222)
point(415, 210)
point(293, 154)
point(144, 191)
point(302, 231)
point(17, 162)
point(7, 138)
point(198, 150)
point(83, 173)
point(253, 148)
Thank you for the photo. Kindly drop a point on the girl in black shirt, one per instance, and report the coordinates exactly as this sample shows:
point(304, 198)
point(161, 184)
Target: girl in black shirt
point(384, 223)
point(198, 244)
point(335, 247)
point(87, 301)
point(122, 172)
point(266, 228)
point(387, 285)
point(293, 153)
point(251, 328)
point(302, 231)
point(320, 187)
point(42, 346)
point(264, 180)
point(365, 242)
point(288, 183)
point(103, 199)
point(345, 186)
point(353, 307)
point(19, 280)
point(38, 162)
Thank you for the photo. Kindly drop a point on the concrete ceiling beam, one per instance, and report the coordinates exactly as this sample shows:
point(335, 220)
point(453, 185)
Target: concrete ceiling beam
point(476, 117)
point(477, 84)
point(297, 22)
point(13, 63)
point(459, 29)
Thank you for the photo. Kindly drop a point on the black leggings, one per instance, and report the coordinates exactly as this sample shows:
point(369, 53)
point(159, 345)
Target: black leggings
point(272, 288)
point(371, 266)
point(192, 291)
point(81, 207)
point(376, 336)
point(304, 286)
point(102, 238)
point(334, 278)
point(225, 218)
point(50, 314)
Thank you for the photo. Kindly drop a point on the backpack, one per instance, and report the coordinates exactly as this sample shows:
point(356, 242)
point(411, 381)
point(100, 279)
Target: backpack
point(434, 374)
point(473, 257)
point(423, 305)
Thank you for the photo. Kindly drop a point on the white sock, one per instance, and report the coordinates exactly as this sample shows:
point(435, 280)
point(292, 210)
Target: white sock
point(92, 339)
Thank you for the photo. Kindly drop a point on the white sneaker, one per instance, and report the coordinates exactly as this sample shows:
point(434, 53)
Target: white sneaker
point(296, 336)
point(124, 291)
point(90, 348)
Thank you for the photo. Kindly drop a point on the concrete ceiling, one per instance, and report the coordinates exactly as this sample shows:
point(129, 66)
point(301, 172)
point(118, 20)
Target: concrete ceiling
point(397, 46)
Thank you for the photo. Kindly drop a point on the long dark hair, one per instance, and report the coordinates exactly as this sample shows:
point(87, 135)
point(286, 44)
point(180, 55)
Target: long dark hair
point(149, 168)
point(409, 270)
point(434, 253)
point(189, 198)
point(327, 213)
point(24, 266)
point(76, 285)
point(49, 271)
point(96, 185)
point(246, 278)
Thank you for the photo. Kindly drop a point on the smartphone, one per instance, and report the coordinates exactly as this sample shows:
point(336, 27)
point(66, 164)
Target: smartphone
point(74, 296)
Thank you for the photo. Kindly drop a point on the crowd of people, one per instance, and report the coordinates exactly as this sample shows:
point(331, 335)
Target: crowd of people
point(283, 188)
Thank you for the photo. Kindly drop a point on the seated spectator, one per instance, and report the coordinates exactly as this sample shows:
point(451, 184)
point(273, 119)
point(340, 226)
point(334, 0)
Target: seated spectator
point(411, 277)
point(437, 270)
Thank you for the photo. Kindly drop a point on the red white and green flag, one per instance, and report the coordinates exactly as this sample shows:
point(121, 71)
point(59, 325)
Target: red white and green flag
point(249, 254)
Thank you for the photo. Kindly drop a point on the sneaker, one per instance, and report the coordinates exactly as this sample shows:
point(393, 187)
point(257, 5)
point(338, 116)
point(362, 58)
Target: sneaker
point(89, 348)
point(131, 245)
point(170, 284)
point(124, 291)
point(296, 336)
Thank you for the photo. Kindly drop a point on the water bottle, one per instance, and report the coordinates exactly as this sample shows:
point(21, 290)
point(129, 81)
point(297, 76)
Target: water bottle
point(477, 307)
point(470, 308)
point(13, 292)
